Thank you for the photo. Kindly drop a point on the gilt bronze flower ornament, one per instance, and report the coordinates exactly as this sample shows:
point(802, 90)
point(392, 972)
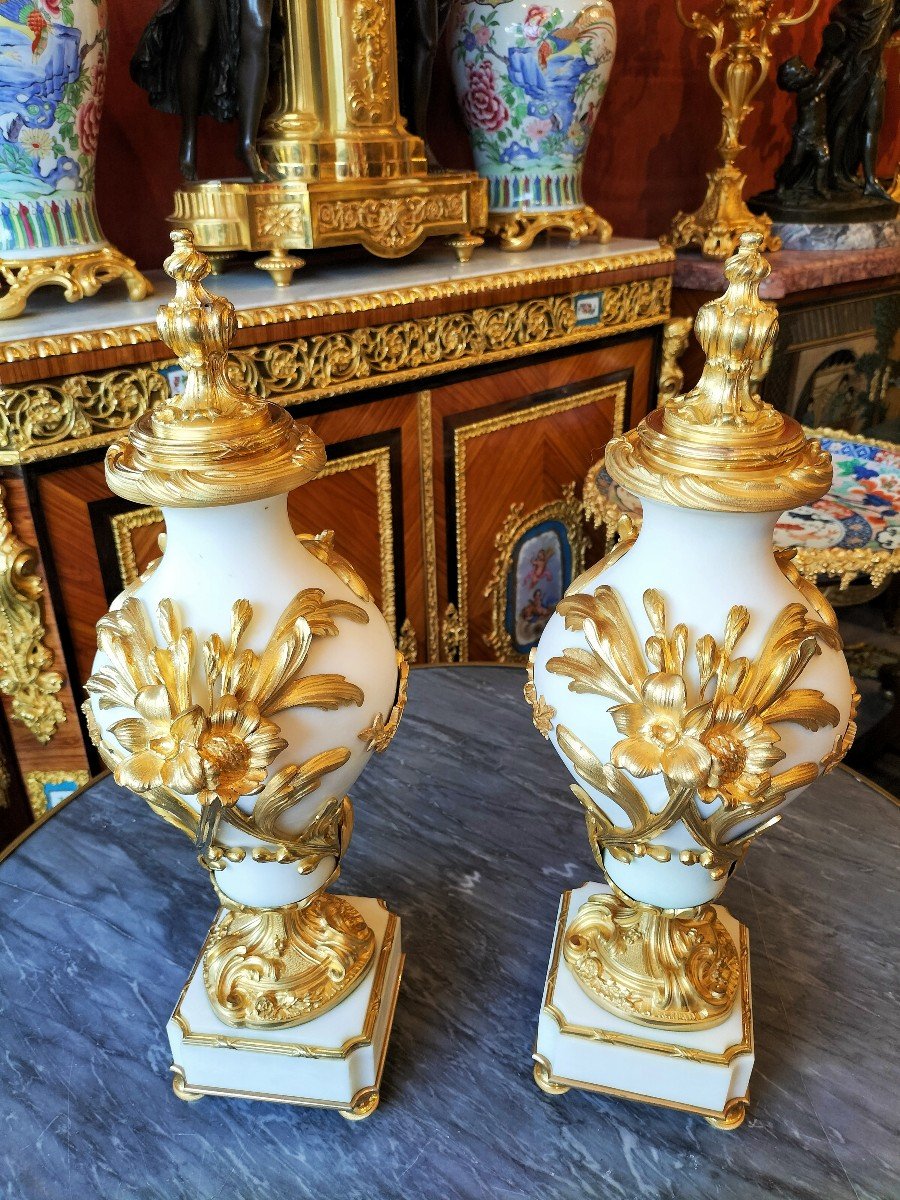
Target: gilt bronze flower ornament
point(217, 743)
point(718, 739)
point(660, 732)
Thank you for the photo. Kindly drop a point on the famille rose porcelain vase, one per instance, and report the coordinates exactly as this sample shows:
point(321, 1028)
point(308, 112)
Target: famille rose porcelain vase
point(530, 79)
point(692, 682)
point(243, 683)
point(53, 58)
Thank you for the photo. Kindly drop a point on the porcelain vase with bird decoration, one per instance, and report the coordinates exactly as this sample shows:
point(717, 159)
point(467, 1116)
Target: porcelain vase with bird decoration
point(53, 67)
point(530, 80)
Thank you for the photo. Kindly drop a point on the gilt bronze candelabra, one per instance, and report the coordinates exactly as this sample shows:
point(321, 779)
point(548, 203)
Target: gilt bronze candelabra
point(738, 67)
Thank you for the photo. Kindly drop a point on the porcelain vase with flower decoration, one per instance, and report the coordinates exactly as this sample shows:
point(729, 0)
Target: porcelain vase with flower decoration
point(53, 59)
point(530, 80)
point(693, 683)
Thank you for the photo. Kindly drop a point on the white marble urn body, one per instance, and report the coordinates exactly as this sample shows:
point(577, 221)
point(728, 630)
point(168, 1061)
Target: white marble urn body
point(214, 557)
point(701, 565)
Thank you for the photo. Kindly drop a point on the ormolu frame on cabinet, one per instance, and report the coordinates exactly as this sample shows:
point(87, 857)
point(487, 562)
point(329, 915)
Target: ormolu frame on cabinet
point(460, 431)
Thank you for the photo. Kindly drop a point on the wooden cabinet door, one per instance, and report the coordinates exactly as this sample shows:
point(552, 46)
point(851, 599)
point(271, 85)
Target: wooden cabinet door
point(370, 495)
point(511, 449)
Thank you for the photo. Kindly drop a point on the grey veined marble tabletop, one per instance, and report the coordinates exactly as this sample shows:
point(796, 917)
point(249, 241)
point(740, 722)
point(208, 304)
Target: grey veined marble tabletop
point(467, 828)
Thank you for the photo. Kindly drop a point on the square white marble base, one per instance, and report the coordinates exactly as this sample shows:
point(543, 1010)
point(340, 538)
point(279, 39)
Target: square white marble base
point(581, 1045)
point(332, 1061)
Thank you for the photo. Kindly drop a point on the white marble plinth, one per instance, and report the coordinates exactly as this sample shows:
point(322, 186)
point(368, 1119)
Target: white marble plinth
point(332, 1061)
point(850, 235)
point(581, 1045)
point(322, 288)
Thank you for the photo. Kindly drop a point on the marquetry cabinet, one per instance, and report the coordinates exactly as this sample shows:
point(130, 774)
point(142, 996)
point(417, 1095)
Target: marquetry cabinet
point(461, 409)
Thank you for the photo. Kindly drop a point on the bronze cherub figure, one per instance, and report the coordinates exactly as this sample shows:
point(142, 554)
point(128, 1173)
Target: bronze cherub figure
point(829, 173)
point(809, 158)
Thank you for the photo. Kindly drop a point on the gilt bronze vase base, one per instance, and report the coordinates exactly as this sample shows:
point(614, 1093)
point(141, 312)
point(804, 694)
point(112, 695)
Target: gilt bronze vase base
point(333, 1060)
point(518, 230)
point(671, 970)
point(274, 968)
point(388, 217)
point(79, 275)
point(699, 1068)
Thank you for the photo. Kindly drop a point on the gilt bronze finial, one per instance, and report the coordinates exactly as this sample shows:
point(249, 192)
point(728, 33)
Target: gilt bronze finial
point(215, 442)
point(199, 327)
point(719, 446)
point(736, 332)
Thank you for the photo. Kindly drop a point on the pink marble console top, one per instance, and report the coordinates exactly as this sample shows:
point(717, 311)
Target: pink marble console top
point(794, 270)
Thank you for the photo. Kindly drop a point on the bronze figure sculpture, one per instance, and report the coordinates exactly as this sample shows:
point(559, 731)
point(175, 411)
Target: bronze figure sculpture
point(210, 57)
point(830, 172)
point(420, 26)
point(806, 166)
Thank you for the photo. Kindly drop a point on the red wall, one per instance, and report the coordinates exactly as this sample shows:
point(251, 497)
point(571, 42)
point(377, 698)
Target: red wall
point(653, 144)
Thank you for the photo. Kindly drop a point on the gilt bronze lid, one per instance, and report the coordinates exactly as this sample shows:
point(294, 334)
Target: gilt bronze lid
point(719, 447)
